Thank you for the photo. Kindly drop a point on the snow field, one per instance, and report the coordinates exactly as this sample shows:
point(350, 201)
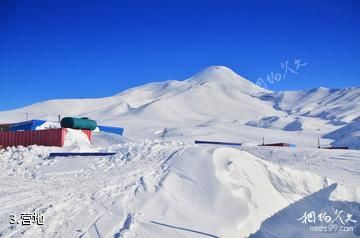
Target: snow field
point(160, 189)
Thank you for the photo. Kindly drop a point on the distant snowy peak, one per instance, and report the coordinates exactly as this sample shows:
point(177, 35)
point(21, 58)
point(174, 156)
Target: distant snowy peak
point(226, 78)
point(214, 73)
point(215, 79)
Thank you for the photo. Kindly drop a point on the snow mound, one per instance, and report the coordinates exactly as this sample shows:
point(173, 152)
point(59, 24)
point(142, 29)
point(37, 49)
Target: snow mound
point(104, 139)
point(252, 181)
point(48, 125)
point(232, 184)
point(76, 141)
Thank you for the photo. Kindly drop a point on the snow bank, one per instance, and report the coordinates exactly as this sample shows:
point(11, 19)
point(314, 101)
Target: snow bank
point(48, 125)
point(76, 141)
point(254, 181)
point(104, 139)
point(222, 193)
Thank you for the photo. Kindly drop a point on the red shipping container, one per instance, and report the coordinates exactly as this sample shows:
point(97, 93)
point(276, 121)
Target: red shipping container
point(51, 137)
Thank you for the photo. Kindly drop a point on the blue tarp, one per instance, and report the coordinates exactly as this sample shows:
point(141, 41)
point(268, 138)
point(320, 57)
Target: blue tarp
point(32, 124)
point(26, 125)
point(111, 129)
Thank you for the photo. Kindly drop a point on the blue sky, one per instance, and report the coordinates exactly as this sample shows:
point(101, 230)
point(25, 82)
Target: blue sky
point(82, 49)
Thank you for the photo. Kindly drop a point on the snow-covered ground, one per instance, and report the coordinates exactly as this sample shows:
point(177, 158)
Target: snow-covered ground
point(174, 188)
point(169, 189)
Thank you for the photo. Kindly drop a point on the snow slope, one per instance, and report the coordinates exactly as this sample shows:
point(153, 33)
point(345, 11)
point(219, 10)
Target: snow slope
point(337, 105)
point(297, 123)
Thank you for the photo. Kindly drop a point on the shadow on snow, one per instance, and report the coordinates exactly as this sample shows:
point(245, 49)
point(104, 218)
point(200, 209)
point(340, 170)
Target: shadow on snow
point(285, 223)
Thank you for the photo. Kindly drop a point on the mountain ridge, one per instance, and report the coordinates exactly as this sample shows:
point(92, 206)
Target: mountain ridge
point(215, 93)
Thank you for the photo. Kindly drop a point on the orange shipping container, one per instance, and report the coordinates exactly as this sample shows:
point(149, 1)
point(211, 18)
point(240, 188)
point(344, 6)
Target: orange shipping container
point(51, 137)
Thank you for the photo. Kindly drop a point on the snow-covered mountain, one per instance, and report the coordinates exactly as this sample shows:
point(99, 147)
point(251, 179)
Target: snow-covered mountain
point(214, 90)
point(337, 105)
point(214, 95)
point(347, 135)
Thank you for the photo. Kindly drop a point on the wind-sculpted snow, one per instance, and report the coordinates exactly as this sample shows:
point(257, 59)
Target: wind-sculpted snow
point(291, 221)
point(264, 187)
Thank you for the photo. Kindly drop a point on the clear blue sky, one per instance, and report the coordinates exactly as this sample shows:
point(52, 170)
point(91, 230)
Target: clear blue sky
point(80, 49)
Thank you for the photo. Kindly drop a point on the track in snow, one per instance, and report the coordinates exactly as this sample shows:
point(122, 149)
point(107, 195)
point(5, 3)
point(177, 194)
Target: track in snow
point(79, 196)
